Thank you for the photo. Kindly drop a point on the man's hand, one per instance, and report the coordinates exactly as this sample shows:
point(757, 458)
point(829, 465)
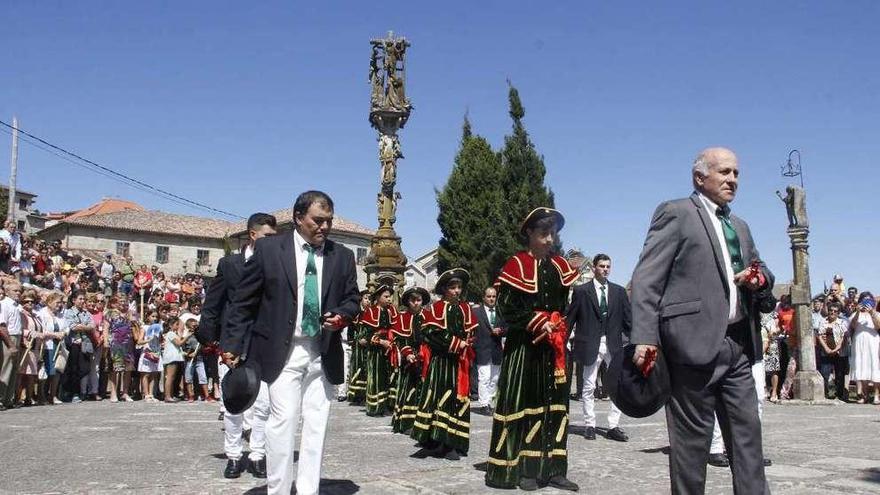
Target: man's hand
point(641, 354)
point(362, 342)
point(742, 279)
point(230, 359)
point(333, 322)
point(497, 331)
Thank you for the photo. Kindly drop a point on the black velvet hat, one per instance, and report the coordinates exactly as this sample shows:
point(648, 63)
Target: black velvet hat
point(632, 393)
point(240, 387)
point(539, 214)
point(379, 290)
point(445, 277)
point(426, 297)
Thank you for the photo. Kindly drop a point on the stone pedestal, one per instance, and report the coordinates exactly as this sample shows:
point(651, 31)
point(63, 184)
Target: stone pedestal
point(808, 383)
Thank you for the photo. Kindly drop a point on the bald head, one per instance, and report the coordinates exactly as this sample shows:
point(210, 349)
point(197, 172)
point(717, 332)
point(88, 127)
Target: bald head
point(716, 174)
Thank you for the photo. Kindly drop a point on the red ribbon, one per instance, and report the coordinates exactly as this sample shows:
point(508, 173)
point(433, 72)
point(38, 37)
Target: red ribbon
point(425, 357)
point(557, 343)
point(463, 387)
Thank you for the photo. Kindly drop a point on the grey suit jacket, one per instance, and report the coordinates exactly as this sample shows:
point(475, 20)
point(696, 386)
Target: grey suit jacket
point(679, 287)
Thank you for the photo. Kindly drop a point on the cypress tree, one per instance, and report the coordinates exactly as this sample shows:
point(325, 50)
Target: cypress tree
point(472, 219)
point(523, 174)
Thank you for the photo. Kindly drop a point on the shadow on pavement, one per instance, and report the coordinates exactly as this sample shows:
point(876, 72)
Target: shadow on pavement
point(871, 474)
point(328, 487)
point(659, 450)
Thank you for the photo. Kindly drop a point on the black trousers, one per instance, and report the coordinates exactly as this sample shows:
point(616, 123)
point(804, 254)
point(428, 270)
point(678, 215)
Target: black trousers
point(726, 388)
point(840, 366)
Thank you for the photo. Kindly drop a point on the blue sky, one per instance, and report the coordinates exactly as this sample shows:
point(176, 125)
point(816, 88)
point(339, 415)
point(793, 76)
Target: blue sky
point(242, 106)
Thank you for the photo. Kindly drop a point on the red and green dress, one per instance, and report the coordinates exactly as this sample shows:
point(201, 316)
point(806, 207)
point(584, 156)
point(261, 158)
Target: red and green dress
point(407, 341)
point(443, 413)
point(378, 321)
point(357, 379)
point(529, 428)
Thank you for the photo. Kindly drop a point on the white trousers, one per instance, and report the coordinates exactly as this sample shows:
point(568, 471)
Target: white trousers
point(717, 446)
point(487, 383)
point(588, 402)
point(233, 424)
point(300, 391)
point(342, 388)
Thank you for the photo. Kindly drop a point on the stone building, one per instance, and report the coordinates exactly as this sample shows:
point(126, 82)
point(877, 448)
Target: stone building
point(27, 218)
point(175, 243)
point(422, 271)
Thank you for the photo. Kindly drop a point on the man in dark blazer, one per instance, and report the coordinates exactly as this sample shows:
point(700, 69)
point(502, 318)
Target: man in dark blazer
point(490, 330)
point(297, 291)
point(599, 315)
point(693, 296)
point(211, 327)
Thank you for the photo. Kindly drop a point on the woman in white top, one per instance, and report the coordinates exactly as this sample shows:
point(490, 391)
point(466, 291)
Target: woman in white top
point(54, 329)
point(865, 353)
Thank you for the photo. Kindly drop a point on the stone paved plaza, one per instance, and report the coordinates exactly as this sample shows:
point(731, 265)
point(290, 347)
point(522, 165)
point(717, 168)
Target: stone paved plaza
point(157, 448)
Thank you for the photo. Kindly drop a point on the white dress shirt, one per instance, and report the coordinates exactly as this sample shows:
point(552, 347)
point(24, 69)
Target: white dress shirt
point(10, 315)
point(302, 257)
point(735, 313)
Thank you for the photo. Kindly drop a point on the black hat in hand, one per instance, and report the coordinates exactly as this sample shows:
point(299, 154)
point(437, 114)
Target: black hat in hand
point(634, 394)
point(240, 387)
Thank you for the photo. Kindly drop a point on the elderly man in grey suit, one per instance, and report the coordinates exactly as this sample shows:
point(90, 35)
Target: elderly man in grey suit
point(693, 296)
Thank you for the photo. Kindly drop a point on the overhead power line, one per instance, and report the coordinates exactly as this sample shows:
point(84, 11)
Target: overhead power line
point(92, 166)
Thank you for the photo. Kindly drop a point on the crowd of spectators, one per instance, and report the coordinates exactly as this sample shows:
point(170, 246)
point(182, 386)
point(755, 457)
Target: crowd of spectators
point(74, 328)
point(845, 325)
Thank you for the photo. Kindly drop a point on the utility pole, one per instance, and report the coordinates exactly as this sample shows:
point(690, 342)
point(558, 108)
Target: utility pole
point(10, 214)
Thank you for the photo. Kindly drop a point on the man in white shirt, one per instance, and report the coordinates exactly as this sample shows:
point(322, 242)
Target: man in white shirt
point(12, 238)
point(10, 332)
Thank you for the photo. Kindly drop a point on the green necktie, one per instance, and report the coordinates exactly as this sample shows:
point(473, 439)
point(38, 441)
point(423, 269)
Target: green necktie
point(311, 309)
point(603, 303)
point(733, 249)
point(492, 317)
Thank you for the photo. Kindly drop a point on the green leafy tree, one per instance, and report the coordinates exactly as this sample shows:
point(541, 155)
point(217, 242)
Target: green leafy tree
point(472, 219)
point(523, 175)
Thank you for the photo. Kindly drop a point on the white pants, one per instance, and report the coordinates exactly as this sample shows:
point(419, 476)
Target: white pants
point(342, 388)
point(301, 390)
point(233, 424)
point(591, 371)
point(487, 376)
point(717, 446)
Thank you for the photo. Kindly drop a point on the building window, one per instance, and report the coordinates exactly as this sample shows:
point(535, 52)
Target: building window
point(21, 225)
point(22, 204)
point(203, 257)
point(122, 248)
point(162, 254)
point(361, 255)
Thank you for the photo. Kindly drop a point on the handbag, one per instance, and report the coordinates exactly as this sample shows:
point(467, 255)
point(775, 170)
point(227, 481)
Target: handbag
point(61, 355)
point(151, 356)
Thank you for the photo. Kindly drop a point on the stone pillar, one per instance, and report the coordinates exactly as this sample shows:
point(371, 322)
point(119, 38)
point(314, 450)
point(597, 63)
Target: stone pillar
point(808, 384)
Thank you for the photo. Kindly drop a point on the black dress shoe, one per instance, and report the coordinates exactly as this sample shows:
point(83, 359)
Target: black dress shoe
point(452, 455)
point(563, 483)
point(423, 453)
point(575, 397)
point(233, 469)
point(590, 433)
point(482, 411)
point(767, 462)
point(528, 484)
point(257, 468)
point(719, 460)
point(617, 434)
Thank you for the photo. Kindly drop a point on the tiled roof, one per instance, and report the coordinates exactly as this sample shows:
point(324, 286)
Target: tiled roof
point(106, 205)
point(157, 222)
point(285, 219)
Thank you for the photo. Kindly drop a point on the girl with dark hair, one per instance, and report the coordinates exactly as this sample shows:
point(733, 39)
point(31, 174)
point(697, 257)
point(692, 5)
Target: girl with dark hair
point(380, 318)
point(407, 341)
point(442, 424)
point(357, 333)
